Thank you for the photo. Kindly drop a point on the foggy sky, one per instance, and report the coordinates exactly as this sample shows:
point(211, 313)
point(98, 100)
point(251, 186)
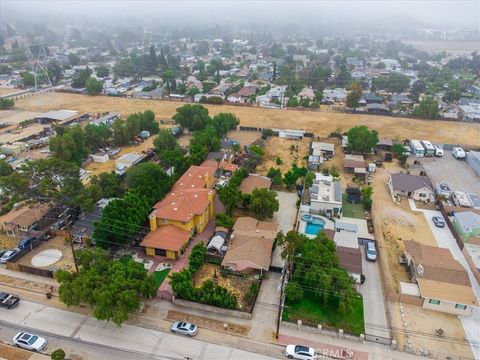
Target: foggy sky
point(446, 13)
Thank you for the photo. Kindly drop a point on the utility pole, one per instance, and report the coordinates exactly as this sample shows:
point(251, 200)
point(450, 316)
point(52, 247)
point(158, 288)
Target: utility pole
point(70, 238)
point(280, 305)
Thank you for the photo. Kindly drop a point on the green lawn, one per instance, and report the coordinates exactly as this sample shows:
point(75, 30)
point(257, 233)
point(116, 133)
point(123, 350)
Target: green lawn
point(159, 276)
point(311, 312)
point(352, 210)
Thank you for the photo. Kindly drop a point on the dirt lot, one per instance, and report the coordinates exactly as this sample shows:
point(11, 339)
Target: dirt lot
point(459, 175)
point(58, 242)
point(244, 137)
point(13, 353)
point(109, 166)
point(8, 242)
point(321, 123)
point(184, 140)
point(277, 147)
point(236, 284)
point(5, 91)
point(451, 47)
point(211, 324)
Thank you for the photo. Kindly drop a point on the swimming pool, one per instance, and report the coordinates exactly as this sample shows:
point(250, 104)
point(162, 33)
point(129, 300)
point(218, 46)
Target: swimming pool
point(314, 226)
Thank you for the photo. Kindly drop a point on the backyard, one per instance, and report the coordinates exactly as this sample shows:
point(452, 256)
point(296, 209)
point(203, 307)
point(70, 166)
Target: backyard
point(352, 210)
point(312, 313)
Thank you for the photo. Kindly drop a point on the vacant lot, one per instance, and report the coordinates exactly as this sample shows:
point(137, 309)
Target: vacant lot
point(457, 173)
point(244, 137)
point(451, 47)
point(281, 148)
point(5, 91)
point(321, 123)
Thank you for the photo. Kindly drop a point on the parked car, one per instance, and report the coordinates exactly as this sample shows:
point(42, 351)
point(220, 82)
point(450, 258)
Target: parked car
point(370, 251)
point(438, 221)
point(26, 242)
point(458, 153)
point(184, 328)
point(8, 301)
point(438, 151)
point(300, 352)
point(8, 255)
point(30, 341)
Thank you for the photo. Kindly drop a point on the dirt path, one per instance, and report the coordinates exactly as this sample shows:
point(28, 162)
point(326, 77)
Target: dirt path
point(321, 122)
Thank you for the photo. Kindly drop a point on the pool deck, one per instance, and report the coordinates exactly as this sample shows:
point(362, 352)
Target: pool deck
point(302, 226)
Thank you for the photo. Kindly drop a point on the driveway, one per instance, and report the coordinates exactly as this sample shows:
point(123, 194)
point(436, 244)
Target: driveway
point(445, 239)
point(373, 305)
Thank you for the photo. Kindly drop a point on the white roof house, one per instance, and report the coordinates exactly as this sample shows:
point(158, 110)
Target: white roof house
point(124, 162)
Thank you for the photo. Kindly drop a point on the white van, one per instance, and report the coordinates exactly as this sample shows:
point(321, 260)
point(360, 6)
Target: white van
point(438, 151)
point(458, 153)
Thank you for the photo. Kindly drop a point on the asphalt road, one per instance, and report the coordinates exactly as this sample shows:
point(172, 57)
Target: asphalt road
point(93, 339)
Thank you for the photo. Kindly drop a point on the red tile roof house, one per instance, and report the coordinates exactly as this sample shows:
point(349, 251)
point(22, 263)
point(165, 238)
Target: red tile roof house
point(187, 209)
point(411, 186)
point(250, 246)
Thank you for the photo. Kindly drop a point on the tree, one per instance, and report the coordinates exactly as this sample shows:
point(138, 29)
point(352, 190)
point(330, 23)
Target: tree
point(149, 180)
point(361, 139)
point(93, 86)
point(111, 288)
point(263, 203)
point(5, 168)
point(418, 88)
point(427, 108)
point(276, 176)
point(6, 104)
point(123, 68)
point(354, 95)
point(108, 183)
point(292, 102)
point(121, 220)
point(393, 82)
point(309, 179)
point(73, 59)
point(192, 117)
point(102, 71)
point(80, 78)
point(399, 151)
point(165, 140)
point(27, 79)
point(290, 179)
point(54, 72)
point(290, 243)
point(230, 197)
point(197, 257)
point(224, 220)
point(293, 291)
point(224, 122)
point(48, 180)
point(70, 145)
point(96, 136)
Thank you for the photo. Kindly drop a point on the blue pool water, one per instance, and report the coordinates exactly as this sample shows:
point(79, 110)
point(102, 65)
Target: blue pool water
point(314, 226)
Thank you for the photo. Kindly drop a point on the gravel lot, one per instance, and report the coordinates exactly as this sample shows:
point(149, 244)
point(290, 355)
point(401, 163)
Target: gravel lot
point(457, 173)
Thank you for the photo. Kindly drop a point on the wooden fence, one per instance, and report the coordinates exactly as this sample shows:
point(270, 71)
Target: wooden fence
point(28, 269)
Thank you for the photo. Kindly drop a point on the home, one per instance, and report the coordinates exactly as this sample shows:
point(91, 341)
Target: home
point(384, 144)
point(254, 181)
point(82, 229)
point(325, 196)
point(353, 163)
point(335, 95)
point(417, 170)
point(378, 108)
point(126, 161)
point(416, 187)
point(325, 150)
point(371, 98)
point(6, 81)
point(23, 218)
point(187, 209)
point(442, 282)
point(250, 246)
point(350, 259)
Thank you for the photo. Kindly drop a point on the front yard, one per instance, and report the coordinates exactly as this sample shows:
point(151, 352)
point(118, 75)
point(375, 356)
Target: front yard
point(312, 313)
point(352, 210)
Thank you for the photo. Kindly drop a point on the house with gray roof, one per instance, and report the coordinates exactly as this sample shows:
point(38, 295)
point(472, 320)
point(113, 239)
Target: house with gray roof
point(411, 186)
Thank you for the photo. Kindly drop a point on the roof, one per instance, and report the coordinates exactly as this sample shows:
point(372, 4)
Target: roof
point(254, 181)
point(166, 237)
point(467, 220)
point(323, 146)
point(377, 107)
point(251, 244)
point(25, 216)
point(406, 182)
point(129, 158)
point(438, 263)
point(350, 259)
point(458, 294)
point(353, 164)
point(183, 205)
point(247, 90)
point(58, 115)
point(195, 177)
point(346, 239)
point(385, 142)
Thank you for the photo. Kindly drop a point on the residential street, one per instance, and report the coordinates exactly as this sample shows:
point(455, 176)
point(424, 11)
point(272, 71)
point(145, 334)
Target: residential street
point(86, 335)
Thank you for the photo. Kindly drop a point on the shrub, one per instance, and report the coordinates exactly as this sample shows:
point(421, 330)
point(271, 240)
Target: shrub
point(58, 354)
point(266, 133)
point(224, 220)
point(367, 203)
point(278, 161)
point(293, 291)
point(197, 257)
point(257, 150)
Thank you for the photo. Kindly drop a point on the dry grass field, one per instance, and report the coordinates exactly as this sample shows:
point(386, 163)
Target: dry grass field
point(277, 147)
point(321, 123)
point(451, 47)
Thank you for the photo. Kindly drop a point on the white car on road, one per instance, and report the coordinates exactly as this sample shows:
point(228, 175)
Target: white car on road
point(30, 341)
point(300, 352)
